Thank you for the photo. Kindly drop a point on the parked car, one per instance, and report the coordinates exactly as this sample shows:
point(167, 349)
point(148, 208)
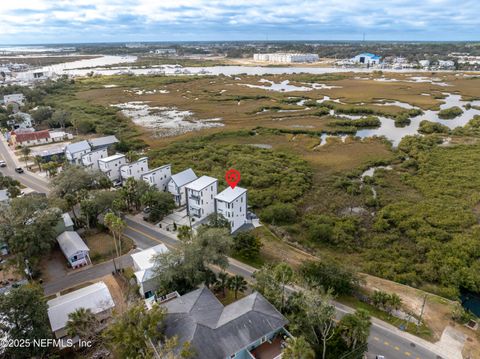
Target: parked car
point(19, 170)
point(3, 164)
point(117, 183)
point(379, 357)
point(147, 210)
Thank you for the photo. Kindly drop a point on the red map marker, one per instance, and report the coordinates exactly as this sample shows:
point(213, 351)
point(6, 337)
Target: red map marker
point(232, 177)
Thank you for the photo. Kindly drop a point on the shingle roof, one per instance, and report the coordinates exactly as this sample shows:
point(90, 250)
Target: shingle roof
point(201, 183)
point(95, 297)
point(103, 141)
point(78, 147)
point(216, 331)
point(184, 177)
point(229, 194)
point(70, 243)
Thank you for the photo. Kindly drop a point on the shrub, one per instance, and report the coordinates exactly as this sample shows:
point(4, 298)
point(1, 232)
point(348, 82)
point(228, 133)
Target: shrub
point(428, 127)
point(450, 113)
point(279, 213)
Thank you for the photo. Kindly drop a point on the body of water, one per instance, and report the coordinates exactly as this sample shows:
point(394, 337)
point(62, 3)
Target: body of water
point(471, 302)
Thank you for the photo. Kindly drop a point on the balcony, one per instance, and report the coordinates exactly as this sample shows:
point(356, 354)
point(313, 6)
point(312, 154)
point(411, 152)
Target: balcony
point(270, 349)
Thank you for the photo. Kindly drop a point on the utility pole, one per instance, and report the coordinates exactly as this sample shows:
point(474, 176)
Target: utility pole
point(422, 311)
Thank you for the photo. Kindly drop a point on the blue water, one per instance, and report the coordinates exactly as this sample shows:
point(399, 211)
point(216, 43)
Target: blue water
point(471, 302)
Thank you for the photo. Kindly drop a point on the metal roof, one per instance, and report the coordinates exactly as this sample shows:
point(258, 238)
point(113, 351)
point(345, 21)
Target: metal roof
point(229, 194)
point(201, 183)
point(184, 177)
point(67, 220)
point(95, 297)
point(145, 259)
point(78, 147)
point(215, 331)
point(111, 158)
point(4, 196)
point(103, 141)
point(71, 243)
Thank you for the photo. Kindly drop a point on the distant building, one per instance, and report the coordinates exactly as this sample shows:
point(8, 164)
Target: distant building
point(90, 159)
point(158, 177)
point(16, 98)
point(74, 249)
point(424, 63)
point(166, 51)
point(134, 169)
point(95, 297)
point(143, 263)
point(367, 59)
point(446, 64)
point(201, 197)
point(111, 166)
point(286, 58)
point(248, 328)
point(103, 142)
point(177, 183)
point(232, 205)
point(75, 151)
point(21, 120)
point(49, 155)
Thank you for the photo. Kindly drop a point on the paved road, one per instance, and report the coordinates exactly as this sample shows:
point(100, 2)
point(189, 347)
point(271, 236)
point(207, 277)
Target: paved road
point(384, 339)
point(29, 180)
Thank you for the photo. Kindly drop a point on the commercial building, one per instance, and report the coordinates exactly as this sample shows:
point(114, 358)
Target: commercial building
point(286, 58)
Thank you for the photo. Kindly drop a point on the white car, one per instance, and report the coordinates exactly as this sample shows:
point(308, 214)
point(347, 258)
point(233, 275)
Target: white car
point(379, 357)
point(3, 164)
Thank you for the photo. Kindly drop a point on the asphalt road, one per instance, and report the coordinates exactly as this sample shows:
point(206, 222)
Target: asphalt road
point(382, 341)
point(27, 179)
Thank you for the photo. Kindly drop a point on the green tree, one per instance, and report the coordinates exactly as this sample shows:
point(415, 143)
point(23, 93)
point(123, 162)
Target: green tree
point(38, 161)
point(184, 233)
point(82, 322)
point(284, 276)
point(51, 168)
point(247, 245)
point(130, 335)
point(24, 316)
point(298, 348)
point(237, 284)
point(75, 178)
point(279, 213)
point(160, 204)
point(394, 302)
point(116, 226)
point(217, 221)
point(59, 119)
point(25, 153)
point(42, 114)
point(380, 299)
point(355, 329)
point(222, 283)
point(132, 192)
point(267, 285)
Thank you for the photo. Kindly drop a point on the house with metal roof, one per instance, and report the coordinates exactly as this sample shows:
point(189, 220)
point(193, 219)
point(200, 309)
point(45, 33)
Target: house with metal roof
point(143, 264)
point(177, 183)
point(90, 159)
point(134, 169)
point(201, 197)
point(246, 329)
point(75, 151)
point(95, 297)
point(74, 249)
point(231, 203)
point(158, 177)
point(103, 142)
point(111, 165)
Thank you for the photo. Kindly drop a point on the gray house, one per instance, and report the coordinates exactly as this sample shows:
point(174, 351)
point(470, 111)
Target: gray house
point(177, 183)
point(246, 329)
point(74, 249)
point(103, 142)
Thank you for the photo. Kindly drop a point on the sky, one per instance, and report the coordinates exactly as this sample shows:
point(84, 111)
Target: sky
point(80, 21)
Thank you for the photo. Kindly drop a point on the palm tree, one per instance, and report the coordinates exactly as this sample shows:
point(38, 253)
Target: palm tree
point(25, 152)
point(237, 284)
point(298, 348)
point(210, 278)
point(116, 225)
point(222, 283)
point(284, 275)
point(82, 322)
point(355, 328)
point(394, 302)
point(38, 162)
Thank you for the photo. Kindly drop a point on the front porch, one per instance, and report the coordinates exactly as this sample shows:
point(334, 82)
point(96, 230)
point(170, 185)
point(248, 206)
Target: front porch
point(273, 348)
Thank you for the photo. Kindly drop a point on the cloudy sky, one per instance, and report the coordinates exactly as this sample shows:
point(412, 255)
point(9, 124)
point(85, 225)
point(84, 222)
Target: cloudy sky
point(58, 21)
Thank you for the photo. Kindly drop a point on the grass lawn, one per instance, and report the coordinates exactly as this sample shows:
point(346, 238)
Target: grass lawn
point(102, 247)
point(423, 331)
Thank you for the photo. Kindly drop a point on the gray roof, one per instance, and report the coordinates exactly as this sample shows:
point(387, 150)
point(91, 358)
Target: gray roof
point(78, 147)
point(71, 243)
point(215, 331)
point(103, 141)
point(184, 177)
point(4, 197)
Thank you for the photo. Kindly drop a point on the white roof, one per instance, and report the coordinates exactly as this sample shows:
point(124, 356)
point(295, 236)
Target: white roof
point(144, 259)
point(4, 195)
point(112, 157)
point(71, 243)
point(201, 183)
point(67, 220)
point(184, 177)
point(229, 194)
point(95, 297)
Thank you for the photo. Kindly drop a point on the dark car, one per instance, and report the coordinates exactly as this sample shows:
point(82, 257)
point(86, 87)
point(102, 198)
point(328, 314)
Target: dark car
point(19, 170)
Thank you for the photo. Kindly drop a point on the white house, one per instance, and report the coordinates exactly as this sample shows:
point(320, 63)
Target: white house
point(90, 159)
point(201, 197)
point(143, 263)
point(111, 165)
point(366, 58)
point(102, 142)
point(232, 205)
point(134, 169)
point(74, 249)
point(177, 183)
point(446, 64)
point(75, 151)
point(14, 98)
point(95, 297)
point(424, 63)
point(158, 177)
